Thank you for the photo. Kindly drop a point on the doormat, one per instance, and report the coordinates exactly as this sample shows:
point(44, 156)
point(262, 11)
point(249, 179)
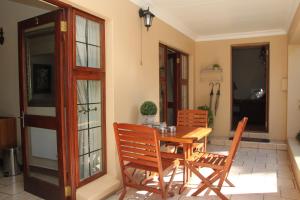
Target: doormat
point(253, 139)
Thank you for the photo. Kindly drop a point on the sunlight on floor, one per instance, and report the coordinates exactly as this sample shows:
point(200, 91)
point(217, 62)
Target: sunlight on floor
point(257, 174)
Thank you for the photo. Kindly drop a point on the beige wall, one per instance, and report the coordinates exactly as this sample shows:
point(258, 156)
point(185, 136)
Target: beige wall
point(294, 30)
point(128, 82)
point(293, 104)
point(208, 53)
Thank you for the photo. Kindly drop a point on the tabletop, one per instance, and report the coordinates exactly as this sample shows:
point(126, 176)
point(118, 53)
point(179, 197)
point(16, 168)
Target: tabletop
point(185, 134)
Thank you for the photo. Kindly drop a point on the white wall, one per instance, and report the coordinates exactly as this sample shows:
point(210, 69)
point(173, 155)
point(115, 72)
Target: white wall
point(293, 104)
point(10, 14)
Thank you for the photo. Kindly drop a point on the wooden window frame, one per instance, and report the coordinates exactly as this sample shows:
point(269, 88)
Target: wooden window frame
point(89, 73)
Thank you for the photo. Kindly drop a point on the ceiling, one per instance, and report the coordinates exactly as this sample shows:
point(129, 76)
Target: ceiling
point(204, 20)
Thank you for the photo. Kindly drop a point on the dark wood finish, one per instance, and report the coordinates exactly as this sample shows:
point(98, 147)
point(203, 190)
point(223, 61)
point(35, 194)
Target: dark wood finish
point(42, 170)
point(220, 164)
point(86, 73)
point(178, 82)
point(31, 184)
point(247, 46)
point(8, 132)
point(138, 148)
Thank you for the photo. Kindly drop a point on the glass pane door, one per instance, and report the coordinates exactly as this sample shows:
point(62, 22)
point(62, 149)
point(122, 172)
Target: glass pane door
point(43, 119)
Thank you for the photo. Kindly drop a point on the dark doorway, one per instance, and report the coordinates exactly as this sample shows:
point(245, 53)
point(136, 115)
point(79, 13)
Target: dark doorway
point(173, 74)
point(250, 76)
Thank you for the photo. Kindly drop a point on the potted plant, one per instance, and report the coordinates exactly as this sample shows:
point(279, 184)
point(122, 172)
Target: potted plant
point(148, 109)
point(210, 115)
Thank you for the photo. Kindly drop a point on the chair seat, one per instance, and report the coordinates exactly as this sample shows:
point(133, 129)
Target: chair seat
point(211, 160)
point(166, 163)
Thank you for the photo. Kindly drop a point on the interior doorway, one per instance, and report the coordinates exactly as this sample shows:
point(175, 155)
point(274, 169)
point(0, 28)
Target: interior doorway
point(250, 86)
point(173, 74)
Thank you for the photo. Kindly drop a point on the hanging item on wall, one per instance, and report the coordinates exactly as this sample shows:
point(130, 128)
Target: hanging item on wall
point(217, 98)
point(211, 94)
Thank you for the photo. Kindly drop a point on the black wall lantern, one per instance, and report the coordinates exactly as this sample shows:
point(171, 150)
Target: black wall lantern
point(148, 17)
point(1, 36)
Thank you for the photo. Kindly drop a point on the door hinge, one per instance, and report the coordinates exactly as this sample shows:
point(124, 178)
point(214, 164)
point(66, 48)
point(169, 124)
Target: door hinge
point(68, 191)
point(178, 60)
point(63, 26)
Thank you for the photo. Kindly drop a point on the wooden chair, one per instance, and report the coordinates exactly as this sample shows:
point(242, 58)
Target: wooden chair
point(138, 148)
point(192, 118)
point(221, 164)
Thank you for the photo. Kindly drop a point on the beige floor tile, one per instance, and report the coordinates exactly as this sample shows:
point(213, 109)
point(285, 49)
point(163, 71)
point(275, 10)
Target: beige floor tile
point(290, 193)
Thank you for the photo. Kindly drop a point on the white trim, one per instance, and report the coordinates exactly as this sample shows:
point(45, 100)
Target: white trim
point(241, 35)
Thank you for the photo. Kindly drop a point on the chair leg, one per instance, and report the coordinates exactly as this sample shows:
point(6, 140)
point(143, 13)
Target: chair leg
point(123, 193)
point(229, 183)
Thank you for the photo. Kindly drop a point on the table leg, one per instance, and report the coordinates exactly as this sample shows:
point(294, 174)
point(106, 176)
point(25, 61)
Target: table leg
point(187, 150)
point(205, 144)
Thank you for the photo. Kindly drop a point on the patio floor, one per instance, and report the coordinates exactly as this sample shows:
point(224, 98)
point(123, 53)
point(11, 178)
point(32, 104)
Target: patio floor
point(258, 174)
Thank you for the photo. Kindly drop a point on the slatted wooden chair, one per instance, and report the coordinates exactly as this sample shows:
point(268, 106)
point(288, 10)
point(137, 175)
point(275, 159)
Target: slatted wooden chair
point(192, 118)
point(221, 164)
point(138, 148)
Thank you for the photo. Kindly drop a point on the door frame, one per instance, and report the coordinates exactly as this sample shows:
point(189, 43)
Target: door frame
point(178, 82)
point(249, 45)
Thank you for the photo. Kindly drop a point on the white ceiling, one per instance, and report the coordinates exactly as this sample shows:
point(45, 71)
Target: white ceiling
point(204, 20)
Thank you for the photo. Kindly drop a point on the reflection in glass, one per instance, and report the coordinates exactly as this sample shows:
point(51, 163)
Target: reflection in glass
point(89, 127)
point(40, 65)
point(184, 96)
point(42, 154)
point(184, 67)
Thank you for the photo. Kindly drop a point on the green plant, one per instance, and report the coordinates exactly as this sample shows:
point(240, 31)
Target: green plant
point(298, 136)
point(148, 108)
point(210, 114)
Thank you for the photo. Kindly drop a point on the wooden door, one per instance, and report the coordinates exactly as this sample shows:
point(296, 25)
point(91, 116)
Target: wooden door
point(41, 67)
point(173, 75)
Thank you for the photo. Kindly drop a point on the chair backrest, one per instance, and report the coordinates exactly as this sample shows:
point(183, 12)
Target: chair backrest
point(236, 140)
point(138, 144)
point(193, 118)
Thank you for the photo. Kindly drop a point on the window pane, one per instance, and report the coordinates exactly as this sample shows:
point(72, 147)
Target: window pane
point(82, 92)
point(93, 56)
point(80, 29)
point(184, 67)
point(81, 54)
point(82, 117)
point(96, 162)
point(94, 115)
point(95, 139)
point(83, 140)
point(93, 33)
point(184, 96)
point(84, 166)
point(94, 91)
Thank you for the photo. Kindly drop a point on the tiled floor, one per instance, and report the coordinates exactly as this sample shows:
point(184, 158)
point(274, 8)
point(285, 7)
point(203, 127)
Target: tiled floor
point(258, 174)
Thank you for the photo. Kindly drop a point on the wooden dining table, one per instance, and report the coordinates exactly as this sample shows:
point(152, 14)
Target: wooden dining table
point(186, 136)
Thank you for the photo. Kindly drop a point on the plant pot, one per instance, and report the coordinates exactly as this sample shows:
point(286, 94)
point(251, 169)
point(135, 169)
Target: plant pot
point(148, 119)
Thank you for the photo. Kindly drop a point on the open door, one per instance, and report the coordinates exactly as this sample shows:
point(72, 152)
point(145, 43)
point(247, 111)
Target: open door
point(173, 77)
point(42, 106)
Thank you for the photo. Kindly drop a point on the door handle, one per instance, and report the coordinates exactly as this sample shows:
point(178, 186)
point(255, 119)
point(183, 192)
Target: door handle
point(22, 118)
